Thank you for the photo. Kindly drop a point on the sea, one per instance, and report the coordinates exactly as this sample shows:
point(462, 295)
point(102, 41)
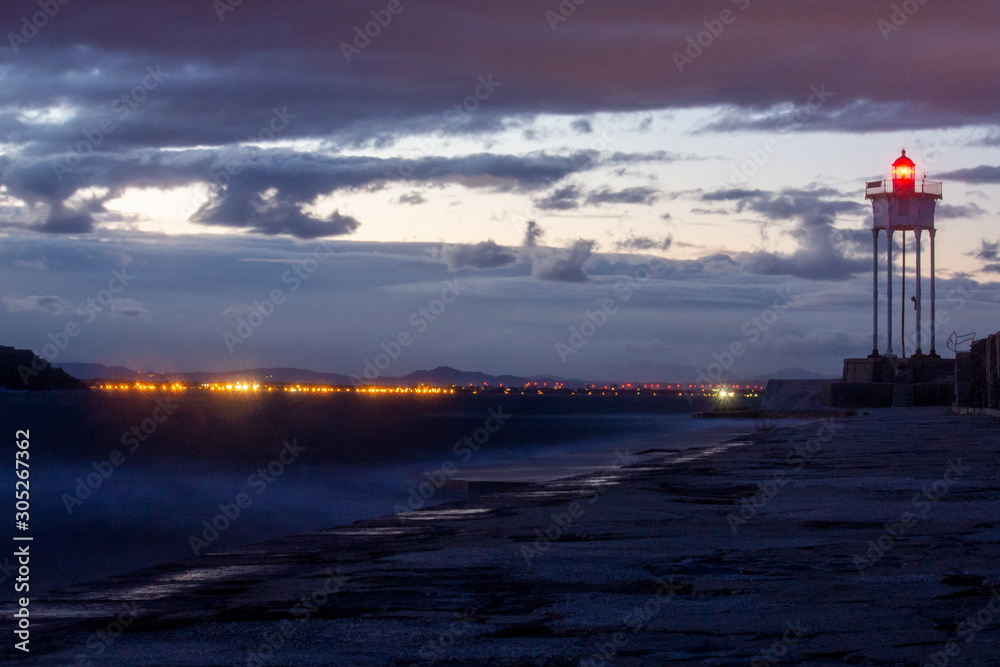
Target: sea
point(121, 481)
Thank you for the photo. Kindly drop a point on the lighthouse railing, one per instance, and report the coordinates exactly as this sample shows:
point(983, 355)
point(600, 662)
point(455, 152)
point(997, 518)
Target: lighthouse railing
point(923, 187)
point(930, 188)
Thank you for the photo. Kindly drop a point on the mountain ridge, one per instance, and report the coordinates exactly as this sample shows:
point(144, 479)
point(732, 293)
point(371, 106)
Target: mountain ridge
point(441, 375)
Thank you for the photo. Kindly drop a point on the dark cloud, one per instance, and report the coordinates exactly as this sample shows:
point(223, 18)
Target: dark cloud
point(532, 232)
point(86, 84)
point(636, 195)
point(991, 139)
point(564, 266)
point(277, 214)
point(485, 255)
point(735, 194)
point(950, 211)
point(50, 305)
point(980, 174)
point(645, 243)
point(571, 197)
point(227, 76)
point(796, 203)
point(659, 157)
point(989, 251)
point(412, 198)
point(563, 199)
point(127, 308)
point(824, 252)
point(63, 220)
point(241, 187)
point(713, 265)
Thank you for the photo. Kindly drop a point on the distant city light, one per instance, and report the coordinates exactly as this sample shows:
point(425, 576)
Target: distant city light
point(250, 387)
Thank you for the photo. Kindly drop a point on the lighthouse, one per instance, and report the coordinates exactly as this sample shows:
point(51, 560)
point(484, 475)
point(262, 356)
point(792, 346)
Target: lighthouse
point(903, 210)
point(903, 204)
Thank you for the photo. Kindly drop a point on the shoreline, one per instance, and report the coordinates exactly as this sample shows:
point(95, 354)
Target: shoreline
point(509, 475)
point(641, 564)
point(99, 519)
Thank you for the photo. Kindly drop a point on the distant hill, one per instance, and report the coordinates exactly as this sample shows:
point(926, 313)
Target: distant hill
point(445, 375)
point(23, 370)
point(637, 371)
point(644, 371)
point(793, 374)
point(99, 372)
point(280, 375)
point(287, 375)
point(667, 372)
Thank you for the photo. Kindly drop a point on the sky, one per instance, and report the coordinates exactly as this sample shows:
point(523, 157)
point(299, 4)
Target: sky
point(592, 189)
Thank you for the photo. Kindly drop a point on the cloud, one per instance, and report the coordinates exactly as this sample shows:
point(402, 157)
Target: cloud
point(38, 264)
point(277, 214)
point(485, 255)
point(532, 232)
point(645, 243)
point(824, 251)
point(636, 195)
point(412, 198)
point(717, 265)
point(565, 267)
point(49, 305)
point(582, 126)
point(950, 211)
point(990, 138)
point(40, 187)
point(571, 197)
point(268, 191)
point(412, 83)
point(735, 194)
point(63, 220)
point(563, 199)
point(619, 158)
point(980, 174)
point(381, 284)
point(988, 251)
point(128, 308)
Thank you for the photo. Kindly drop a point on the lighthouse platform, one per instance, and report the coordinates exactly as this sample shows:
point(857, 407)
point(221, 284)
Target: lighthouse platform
point(883, 381)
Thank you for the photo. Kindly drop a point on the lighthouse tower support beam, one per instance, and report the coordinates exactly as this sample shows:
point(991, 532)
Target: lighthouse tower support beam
point(888, 292)
point(875, 292)
point(933, 233)
point(919, 279)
